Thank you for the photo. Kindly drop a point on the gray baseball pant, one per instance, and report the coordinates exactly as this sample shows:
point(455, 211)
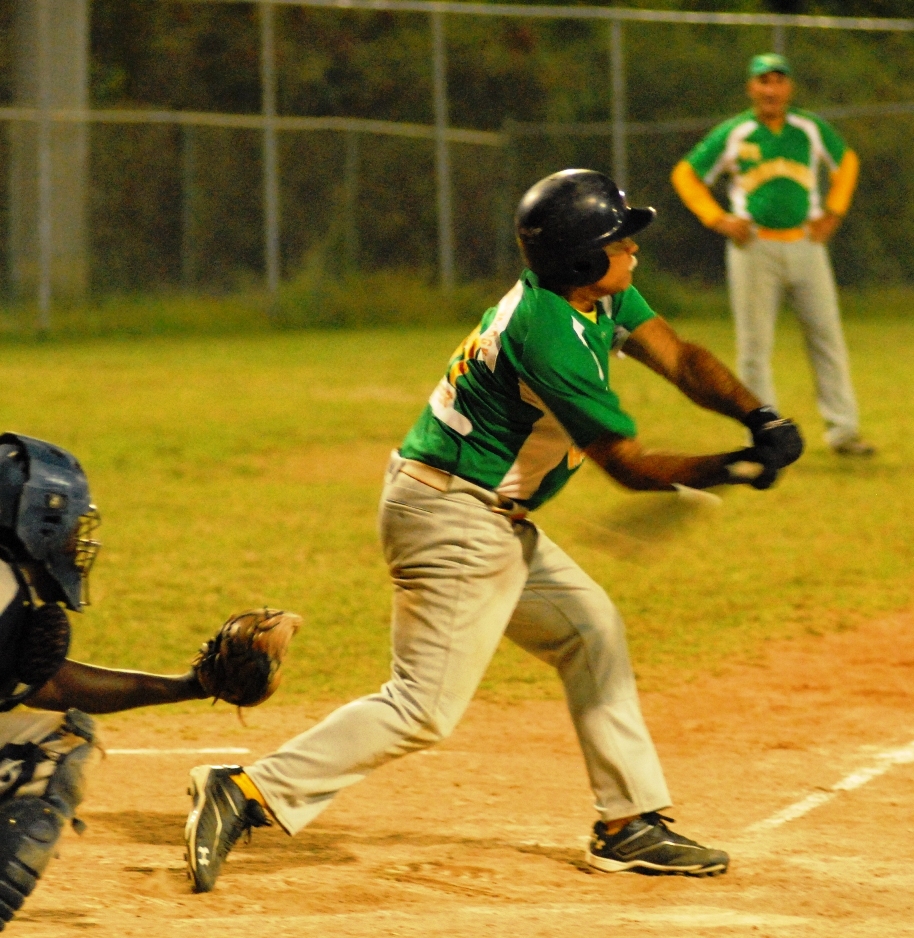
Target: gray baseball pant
point(464, 575)
point(21, 727)
point(28, 726)
point(758, 274)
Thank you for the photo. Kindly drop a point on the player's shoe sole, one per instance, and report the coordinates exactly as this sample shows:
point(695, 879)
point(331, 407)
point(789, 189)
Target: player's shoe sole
point(647, 845)
point(619, 866)
point(218, 817)
point(855, 447)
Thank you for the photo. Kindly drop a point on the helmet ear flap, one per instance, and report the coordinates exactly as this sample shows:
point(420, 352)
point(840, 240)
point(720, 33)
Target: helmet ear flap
point(587, 268)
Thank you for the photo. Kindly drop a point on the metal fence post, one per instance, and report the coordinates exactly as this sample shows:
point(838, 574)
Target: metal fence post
point(189, 207)
point(442, 156)
point(779, 39)
point(44, 167)
point(351, 202)
point(620, 130)
point(506, 248)
point(270, 162)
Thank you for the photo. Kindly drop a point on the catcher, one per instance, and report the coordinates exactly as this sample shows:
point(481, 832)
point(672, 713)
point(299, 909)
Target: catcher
point(47, 522)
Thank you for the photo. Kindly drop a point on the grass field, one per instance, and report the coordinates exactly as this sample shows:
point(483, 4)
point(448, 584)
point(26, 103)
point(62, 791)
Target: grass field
point(237, 470)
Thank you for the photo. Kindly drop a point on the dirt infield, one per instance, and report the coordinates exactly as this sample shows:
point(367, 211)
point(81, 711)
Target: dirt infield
point(484, 835)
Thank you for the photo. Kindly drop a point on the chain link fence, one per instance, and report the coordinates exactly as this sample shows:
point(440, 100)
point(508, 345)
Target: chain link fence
point(214, 144)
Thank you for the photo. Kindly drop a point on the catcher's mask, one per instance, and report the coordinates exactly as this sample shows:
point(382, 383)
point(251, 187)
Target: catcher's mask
point(47, 515)
point(564, 221)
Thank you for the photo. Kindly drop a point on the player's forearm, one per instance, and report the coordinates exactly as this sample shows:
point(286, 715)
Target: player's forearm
point(646, 471)
point(843, 184)
point(105, 690)
point(693, 369)
point(707, 381)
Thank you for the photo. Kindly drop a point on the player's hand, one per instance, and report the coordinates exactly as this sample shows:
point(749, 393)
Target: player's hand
point(756, 466)
point(738, 230)
point(772, 431)
point(822, 229)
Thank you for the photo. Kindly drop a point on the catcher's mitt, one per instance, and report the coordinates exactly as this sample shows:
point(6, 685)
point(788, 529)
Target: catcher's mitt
point(241, 663)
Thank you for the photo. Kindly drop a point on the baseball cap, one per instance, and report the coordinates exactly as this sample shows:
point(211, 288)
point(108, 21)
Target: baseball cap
point(768, 62)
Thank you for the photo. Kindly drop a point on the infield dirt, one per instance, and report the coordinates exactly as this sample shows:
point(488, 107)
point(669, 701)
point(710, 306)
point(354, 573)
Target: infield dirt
point(484, 835)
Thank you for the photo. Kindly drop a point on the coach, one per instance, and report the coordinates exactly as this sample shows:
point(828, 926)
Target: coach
point(777, 229)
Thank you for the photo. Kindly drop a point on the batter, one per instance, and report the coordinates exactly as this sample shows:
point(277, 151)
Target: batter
point(523, 399)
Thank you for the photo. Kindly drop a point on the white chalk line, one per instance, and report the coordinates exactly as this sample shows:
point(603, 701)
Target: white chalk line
point(884, 761)
point(225, 750)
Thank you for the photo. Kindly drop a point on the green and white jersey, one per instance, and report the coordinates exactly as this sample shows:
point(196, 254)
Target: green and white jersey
point(774, 177)
point(526, 392)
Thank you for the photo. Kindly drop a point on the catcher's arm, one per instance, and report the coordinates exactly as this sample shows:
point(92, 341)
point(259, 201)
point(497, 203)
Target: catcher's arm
point(92, 689)
point(241, 665)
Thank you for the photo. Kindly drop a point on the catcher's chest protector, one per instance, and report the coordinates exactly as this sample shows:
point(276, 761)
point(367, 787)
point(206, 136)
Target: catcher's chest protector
point(13, 618)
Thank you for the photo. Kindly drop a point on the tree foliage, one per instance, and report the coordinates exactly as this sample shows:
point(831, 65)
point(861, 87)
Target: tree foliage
point(170, 203)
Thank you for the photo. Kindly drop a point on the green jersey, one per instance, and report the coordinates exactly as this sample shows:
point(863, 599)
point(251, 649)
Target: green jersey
point(774, 177)
point(526, 392)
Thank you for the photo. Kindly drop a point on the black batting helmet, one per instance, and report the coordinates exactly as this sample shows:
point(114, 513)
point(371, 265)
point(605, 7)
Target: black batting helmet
point(46, 513)
point(563, 222)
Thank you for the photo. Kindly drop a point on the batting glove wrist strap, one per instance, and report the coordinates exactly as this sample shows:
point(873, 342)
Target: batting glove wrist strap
point(756, 419)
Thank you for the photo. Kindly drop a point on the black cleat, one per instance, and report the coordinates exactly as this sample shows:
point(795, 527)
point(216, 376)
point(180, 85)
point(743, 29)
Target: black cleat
point(647, 845)
point(220, 815)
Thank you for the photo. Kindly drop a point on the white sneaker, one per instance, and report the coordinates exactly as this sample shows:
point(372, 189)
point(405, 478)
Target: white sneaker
point(854, 447)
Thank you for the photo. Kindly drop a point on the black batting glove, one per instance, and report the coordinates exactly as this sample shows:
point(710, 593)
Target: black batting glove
point(772, 431)
point(757, 466)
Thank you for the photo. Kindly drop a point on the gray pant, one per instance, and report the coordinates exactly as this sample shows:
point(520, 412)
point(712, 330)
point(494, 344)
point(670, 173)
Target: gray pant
point(464, 576)
point(21, 727)
point(28, 726)
point(758, 274)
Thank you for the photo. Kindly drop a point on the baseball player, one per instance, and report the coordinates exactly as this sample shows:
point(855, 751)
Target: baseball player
point(522, 401)
point(777, 229)
point(47, 547)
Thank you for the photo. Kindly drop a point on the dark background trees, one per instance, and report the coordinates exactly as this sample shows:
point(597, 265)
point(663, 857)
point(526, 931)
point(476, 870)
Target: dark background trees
point(204, 57)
